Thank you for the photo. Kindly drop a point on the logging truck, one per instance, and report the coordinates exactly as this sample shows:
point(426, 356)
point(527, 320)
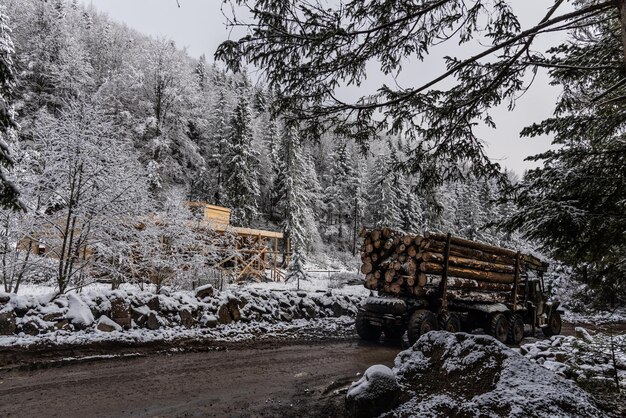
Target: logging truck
point(432, 281)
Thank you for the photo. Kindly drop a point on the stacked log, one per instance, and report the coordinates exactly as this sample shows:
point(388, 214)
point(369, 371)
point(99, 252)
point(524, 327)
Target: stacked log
point(412, 264)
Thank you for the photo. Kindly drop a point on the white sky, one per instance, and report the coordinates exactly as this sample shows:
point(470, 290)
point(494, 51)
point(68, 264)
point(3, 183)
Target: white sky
point(198, 26)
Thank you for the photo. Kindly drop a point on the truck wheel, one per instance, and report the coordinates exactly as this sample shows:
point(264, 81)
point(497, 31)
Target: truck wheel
point(516, 329)
point(393, 333)
point(450, 322)
point(366, 330)
point(554, 325)
point(499, 327)
point(420, 323)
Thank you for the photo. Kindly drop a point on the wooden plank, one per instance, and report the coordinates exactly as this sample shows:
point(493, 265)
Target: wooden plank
point(248, 231)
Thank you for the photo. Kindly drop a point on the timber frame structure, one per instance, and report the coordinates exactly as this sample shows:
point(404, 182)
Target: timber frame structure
point(257, 251)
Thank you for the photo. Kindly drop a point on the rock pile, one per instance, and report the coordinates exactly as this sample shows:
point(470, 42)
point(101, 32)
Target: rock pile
point(108, 311)
point(584, 359)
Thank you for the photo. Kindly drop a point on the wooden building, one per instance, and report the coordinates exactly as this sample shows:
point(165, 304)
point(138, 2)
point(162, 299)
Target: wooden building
point(259, 252)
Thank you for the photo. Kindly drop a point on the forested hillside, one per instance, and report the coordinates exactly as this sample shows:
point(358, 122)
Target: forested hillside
point(114, 125)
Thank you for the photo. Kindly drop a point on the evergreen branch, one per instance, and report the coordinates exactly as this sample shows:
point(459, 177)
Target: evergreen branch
point(525, 34)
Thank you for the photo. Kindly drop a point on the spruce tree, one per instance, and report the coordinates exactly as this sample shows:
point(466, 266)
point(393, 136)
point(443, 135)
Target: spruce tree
point(383, 204)
point(341, 189)
point(574, 203)
point(241, 165)
point(292, 192)
point(8, 192)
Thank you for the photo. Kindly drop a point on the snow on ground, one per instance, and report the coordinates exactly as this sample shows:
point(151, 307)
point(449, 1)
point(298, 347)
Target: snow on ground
point(460, 374)
point(234, 332)
point(593, 361)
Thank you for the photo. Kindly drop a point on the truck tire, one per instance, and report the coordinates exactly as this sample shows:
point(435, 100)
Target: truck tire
point(554, 325)
point(499, 327)
point(366, 330)
point(420, 323)
point(449, 322)
point(516, 329)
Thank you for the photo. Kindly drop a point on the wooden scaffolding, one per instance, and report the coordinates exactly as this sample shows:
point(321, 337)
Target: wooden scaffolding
point(258, 252)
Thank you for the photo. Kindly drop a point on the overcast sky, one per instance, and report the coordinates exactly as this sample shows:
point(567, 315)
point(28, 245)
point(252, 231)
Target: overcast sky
point(198, 26)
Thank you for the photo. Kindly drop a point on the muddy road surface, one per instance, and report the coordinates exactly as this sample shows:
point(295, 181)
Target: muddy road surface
point(304, 379)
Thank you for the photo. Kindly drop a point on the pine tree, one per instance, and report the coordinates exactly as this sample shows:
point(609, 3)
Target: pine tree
point(341, 191)
point(296, 271)
point(293, 195)
point(8, 192)
point(574, 204)
point(241, 185)
point(329, 47)
point(409, 209)
point(383, 210)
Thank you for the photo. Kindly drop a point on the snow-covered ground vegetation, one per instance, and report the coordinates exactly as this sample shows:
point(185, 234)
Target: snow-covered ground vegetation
point(446, 374)
point(134, 315)
point(596, 362)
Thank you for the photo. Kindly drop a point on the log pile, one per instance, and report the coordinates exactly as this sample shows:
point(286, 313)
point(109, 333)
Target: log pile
point(410, 264)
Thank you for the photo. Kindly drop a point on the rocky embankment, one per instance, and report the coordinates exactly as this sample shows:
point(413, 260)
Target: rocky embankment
point(120, 311)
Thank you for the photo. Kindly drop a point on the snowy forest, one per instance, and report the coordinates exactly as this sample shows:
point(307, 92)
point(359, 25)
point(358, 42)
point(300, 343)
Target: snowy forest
point(237, 226)
point(106, 126)
point(114, 125)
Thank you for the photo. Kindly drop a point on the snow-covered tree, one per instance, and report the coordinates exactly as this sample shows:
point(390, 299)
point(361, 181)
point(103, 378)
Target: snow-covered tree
point(90, 183)
point(8, 192)
point(242, 183)
point(384, 210)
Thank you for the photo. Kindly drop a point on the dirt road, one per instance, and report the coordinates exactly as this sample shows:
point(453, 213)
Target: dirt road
point(296, 380)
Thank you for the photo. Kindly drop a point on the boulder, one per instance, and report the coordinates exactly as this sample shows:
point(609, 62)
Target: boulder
point(79, 313)
point(233, 308)
point(376, 392)
point(582, 333)
point(7, 323)
point(223, 314)
point(64, 325)
point(153, 321)
point(154, 303)
point(204, 291)
point(30, 328)
point(186, 318)
point(456, 374)
point(140, 315)
point(120, 312)
point(105, 324)
point(53, 316)
point(4, 298)
point(337, 309)
point(209, 321)
point(308, 308)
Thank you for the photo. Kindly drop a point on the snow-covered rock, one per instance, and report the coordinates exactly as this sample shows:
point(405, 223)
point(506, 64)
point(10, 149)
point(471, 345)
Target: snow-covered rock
point(78, 311)
point(446, 374)
point(376, 392)
point(583, 333)
point(7, 323)
point(204, 291)
point(141, 313)
point(106, 324)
